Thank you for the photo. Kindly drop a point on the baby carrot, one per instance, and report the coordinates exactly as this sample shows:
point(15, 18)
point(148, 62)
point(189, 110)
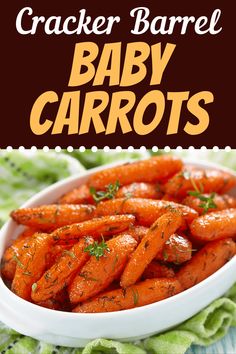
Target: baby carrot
point(170, 198)
point(30, 265)
point(149, 246)
point(177, 249)
point(143, 293)
point(107, 225)
point(157, 270)
point(215, 225)
point(221, 202)
point(140, 190)
point(155, 169)
point(137, 232)
point(47, 217)
point(203, 180)
point(26, 233)
point(62, 272)
point(206, 262)
point(59, 302)
point(8, 266)
point(98, 274)
point(56, 252)
point(146, 211)
point(80, 195)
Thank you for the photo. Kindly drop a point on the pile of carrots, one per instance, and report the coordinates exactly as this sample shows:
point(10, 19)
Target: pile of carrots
point(132, 235)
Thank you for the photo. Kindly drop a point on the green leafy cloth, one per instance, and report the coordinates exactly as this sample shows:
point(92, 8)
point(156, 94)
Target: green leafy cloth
point(205, 328)
point(22, 175)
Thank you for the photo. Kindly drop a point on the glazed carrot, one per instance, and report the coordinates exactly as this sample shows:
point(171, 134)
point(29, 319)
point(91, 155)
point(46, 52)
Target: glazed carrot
point(98, 274)
point(31, 265)
point(140, 190)
point(205, 180)
point(113, 286)
point(26, 233)
point(72, 256)
point(51, 304)
point(55, 253)
point(149, 246)
point(155, 169)
point(80, 195)
point(143, 293)
point(62, 272)
point(8, 266)
point(146, 211)
point(107, 225)
point(206, 262)
point(157, 270)
point(221, 202)
point(170, 198)
point(52, 216)
point(59, 302)
point(137, 232)
point(177, 249)
point(215, 225)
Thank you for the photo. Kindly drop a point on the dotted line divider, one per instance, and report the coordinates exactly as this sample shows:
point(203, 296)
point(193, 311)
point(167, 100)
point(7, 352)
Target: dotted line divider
point(119, 148)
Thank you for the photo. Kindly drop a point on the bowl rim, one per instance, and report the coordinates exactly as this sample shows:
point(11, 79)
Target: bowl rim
point(57, 314)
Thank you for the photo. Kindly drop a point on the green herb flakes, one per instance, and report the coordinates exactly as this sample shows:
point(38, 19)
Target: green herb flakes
point(109, 193)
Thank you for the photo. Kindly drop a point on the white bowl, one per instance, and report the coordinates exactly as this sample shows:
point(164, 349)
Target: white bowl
point(77, 329)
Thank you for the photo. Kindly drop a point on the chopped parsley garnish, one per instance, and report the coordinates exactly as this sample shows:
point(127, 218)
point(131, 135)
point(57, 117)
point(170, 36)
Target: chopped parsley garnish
point(165, 255)
point(128, 195)
point(115, 262)
point(97, 249)
point(86, 276)
point(69, 253)
point(207, 202)
point(109, 192)
point(34, 287)
point(135, 296)
point(15, 258)
point(201, 190)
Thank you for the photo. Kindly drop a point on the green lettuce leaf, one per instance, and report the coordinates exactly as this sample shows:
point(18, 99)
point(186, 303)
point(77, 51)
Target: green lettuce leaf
point(24, 174)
